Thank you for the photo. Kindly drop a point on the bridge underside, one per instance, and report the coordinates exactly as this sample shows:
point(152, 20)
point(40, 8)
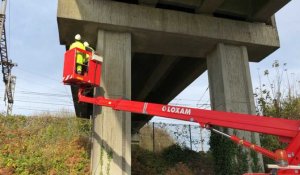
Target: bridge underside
point(170, 38)
point(148, 84)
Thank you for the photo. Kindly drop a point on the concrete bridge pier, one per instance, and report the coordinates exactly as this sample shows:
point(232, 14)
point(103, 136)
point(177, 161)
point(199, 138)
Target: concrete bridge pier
point(230, 85)
point(111, 140)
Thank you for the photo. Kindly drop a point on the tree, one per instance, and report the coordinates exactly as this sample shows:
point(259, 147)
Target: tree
point(277, 96)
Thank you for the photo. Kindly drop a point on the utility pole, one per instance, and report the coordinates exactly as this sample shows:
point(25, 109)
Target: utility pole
point(7, 64)
point(201, 140)
point(191, 143)
point(153, 136)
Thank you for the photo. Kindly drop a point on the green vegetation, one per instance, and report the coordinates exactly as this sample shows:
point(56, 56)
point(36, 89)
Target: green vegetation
point(229, 158)
point(44, 145)
point(174, 160)
point(60, 145)
point(278, 97)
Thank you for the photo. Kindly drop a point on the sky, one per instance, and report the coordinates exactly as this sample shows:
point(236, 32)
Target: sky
point(33, 43)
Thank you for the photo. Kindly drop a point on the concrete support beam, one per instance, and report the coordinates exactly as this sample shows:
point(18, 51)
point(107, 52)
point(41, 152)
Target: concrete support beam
point(164, 30)
point(151, 3)
point(181, 3)
point(111, 148)
point(209, 6)
point(165, 64)
point(230, 83)
point(264, 12)
point(233, 8)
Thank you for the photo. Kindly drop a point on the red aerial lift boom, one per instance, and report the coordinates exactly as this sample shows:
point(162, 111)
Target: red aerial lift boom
point(287, 130)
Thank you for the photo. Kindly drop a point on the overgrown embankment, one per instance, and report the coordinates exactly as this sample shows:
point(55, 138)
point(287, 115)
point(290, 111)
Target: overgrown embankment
point(171, 161)
point(44, 145)
point(60, 145)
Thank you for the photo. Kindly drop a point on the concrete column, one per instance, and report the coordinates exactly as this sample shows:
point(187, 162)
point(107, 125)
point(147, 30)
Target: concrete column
point(230, 84)
point(111, 147)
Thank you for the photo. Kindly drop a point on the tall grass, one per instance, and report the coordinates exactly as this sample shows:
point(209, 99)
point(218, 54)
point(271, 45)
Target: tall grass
point(44, 144)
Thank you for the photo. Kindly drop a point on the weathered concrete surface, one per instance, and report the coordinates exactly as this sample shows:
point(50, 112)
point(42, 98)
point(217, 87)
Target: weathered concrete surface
point(266, 9)
point(111, 148)
point(246, 10)
point(209, 6)
point(230, 83)
point(166, 32)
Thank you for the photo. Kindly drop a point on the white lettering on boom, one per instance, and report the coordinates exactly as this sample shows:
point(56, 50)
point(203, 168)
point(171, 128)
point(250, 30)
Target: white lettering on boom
point(176, 110)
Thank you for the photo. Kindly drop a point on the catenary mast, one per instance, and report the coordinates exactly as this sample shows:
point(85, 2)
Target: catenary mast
point(7, 64)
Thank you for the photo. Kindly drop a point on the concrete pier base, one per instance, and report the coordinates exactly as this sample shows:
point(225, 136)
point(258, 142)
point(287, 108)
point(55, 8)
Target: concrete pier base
point(111, 147)
point(230, 85)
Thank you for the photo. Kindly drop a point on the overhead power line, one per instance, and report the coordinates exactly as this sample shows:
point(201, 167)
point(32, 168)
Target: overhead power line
point(203, 95)
point(39, 74)
point(39, 102)
point(43, 110)
point(41, 93)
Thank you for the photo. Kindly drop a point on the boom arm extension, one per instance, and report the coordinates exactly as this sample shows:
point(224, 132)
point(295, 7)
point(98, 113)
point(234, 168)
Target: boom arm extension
point(247, 144)
point(267, 125)
point(286, 129)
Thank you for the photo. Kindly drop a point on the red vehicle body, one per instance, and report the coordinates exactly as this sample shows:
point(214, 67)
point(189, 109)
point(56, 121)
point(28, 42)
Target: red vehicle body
point(286, 130)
